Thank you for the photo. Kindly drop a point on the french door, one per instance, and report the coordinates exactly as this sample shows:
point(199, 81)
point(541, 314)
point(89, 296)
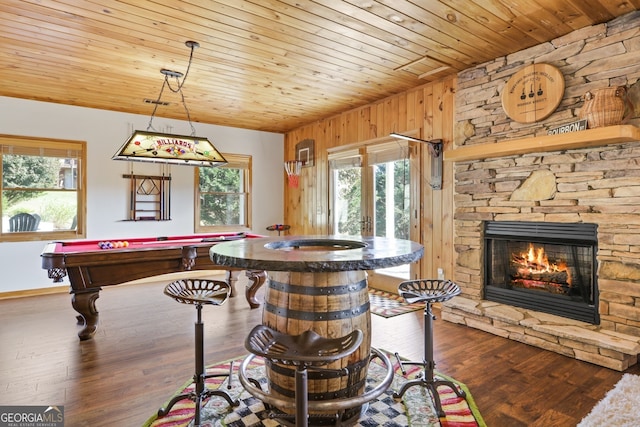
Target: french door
point(374, 192)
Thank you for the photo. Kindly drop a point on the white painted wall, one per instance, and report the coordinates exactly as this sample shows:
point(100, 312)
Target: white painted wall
point(107, 191)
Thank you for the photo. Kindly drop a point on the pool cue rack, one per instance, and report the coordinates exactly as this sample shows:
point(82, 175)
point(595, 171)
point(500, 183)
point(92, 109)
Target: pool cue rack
point(149, 197)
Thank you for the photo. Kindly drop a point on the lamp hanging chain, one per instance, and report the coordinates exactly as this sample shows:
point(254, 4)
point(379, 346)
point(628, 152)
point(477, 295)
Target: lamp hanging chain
point(193, 45)
point(184, 104)
point(153, 114)
point(178, 89)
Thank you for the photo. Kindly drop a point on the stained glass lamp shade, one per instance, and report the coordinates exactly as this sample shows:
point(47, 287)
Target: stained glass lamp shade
point(144, 146)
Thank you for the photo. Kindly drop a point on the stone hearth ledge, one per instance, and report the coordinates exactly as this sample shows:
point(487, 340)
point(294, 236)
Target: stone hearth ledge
point(572, 338)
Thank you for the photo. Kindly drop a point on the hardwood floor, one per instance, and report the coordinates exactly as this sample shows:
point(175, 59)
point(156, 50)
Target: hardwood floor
point(143, 352)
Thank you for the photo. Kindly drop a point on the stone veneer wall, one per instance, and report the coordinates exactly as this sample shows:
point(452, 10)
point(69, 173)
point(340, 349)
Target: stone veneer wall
point(595, 185)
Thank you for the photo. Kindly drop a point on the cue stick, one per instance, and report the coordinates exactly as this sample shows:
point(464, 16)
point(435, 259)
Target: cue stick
point(165, 242)
point(168, 196)
point(132, 196)
point(192, 240)
point(160, 206)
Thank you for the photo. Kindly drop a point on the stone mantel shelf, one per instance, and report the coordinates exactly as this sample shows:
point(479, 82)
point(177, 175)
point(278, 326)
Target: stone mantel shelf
point(581, 139)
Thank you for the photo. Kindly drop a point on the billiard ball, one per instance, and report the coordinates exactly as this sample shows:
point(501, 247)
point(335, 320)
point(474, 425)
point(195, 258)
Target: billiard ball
point(111, 245)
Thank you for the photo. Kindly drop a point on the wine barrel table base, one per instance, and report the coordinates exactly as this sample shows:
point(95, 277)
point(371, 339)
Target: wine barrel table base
point(332, 304)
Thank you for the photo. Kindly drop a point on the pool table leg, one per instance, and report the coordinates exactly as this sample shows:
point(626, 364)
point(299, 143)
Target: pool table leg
point(85, 304)
point(256, 280)
point(232, 278)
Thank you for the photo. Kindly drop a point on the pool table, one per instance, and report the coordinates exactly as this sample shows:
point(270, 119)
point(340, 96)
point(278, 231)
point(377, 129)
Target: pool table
point(90, 267)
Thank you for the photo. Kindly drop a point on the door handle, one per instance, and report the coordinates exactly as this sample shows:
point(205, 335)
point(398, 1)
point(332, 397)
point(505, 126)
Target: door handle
point(366, 223)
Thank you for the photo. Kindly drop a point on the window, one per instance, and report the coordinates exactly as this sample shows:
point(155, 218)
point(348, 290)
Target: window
point(223, 195)
point(43, 182)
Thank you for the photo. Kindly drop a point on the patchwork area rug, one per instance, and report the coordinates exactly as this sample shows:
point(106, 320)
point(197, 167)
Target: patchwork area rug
point(415, 409)
point(619, 407)
point(386, 304)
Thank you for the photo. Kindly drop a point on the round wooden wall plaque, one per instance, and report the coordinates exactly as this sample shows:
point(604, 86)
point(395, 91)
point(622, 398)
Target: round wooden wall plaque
point(533, 93)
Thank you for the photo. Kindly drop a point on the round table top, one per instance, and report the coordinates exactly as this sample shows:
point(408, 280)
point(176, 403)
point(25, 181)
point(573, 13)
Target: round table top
point(316, 253)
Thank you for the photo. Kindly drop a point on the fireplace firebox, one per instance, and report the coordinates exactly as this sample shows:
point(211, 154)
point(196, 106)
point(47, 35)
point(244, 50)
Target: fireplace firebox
point(543, 266)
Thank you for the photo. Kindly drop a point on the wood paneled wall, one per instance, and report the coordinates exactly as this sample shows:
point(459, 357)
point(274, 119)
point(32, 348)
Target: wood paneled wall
point(428, 108)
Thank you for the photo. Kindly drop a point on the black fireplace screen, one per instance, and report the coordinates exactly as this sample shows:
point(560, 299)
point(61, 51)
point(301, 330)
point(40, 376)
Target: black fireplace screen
point(548, 267)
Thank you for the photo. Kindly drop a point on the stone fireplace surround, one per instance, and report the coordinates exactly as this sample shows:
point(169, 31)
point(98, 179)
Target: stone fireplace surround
point(514, 172)
point(598, 185)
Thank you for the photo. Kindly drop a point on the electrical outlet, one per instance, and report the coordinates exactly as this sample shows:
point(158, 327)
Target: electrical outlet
point(440, 274)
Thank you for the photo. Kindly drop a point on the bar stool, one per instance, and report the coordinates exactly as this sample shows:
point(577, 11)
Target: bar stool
point(427, 291)
point(199, 293)
point(303, 351)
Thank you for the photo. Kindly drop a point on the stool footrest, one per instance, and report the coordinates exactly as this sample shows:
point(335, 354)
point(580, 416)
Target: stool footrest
point(318, 405)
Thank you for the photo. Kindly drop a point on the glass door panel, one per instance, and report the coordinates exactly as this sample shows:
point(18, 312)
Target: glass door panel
point(373, 193)
point(347, 207)
point(345, 193)
point(391, 213)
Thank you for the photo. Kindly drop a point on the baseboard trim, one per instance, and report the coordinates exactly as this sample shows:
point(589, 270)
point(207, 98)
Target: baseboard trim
point(204, 274)
point(34, 292)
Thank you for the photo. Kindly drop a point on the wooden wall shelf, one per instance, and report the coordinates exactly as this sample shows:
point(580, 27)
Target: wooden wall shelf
point(581, 139)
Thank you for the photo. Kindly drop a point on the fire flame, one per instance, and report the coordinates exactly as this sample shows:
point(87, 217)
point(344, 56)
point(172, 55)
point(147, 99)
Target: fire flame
point(535, 261)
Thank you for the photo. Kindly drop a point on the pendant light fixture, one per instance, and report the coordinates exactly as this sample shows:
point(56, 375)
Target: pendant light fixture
point(156, 147)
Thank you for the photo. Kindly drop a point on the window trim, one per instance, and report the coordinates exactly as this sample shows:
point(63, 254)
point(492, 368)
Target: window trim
point(26, 143)
point(239, 161)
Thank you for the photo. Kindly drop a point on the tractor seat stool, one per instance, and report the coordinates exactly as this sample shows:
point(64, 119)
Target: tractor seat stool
point(302, 351)
point(199, 293)
point(427, 291)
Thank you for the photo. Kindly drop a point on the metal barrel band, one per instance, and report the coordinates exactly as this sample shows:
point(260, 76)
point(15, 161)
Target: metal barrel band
point(317, 316)
point(320, 373)
point(317, 291)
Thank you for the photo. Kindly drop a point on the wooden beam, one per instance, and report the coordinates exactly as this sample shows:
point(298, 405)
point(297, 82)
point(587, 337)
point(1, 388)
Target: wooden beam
point(586, 138)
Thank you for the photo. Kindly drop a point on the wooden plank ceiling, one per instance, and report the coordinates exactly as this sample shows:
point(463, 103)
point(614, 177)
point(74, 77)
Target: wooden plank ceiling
point(271, 65)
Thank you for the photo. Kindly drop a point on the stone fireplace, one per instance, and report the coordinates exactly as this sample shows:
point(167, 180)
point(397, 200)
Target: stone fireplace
point(597, 187)
point(506, 172)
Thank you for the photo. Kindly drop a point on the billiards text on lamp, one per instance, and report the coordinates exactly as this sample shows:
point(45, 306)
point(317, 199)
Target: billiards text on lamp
point(156, 147)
